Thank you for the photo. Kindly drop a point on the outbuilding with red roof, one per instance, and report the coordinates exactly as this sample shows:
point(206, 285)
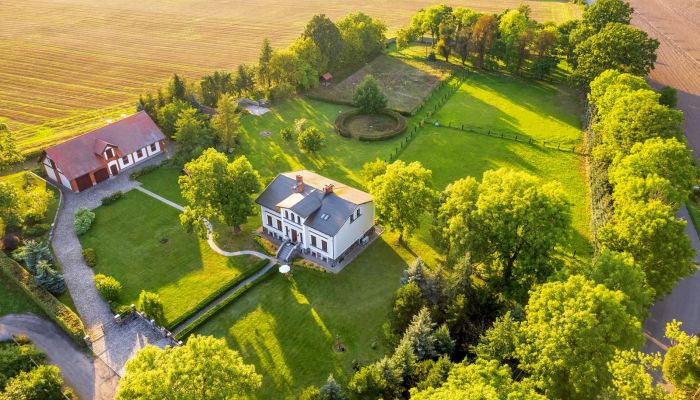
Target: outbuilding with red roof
point(86, 160)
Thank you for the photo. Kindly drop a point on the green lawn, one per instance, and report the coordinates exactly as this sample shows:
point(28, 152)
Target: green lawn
point(287, 329)
point(127, 239)
point(506, 104)
point(14, 301)
point(164, 182)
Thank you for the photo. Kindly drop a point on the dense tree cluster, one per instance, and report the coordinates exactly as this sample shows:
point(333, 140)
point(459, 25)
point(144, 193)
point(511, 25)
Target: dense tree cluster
point(650, 172)
point(24, 374)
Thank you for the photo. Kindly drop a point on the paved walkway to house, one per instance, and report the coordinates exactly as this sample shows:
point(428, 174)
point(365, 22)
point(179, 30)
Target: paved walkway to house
point(90, 377)
point(113, 343)
point(159, 198)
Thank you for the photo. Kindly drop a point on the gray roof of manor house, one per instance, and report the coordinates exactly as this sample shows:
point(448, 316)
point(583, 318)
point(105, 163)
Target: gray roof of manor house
point(324, 212)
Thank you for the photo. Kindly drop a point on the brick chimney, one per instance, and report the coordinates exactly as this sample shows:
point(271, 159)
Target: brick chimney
point(300, 184)
point(328, 188)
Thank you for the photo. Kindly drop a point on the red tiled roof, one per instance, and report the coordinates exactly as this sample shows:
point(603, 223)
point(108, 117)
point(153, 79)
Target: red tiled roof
point(78, 156)
point(327, 76)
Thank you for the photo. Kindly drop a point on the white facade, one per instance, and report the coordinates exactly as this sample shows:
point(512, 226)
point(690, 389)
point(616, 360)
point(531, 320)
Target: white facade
point(51, 174)
point(286, 225)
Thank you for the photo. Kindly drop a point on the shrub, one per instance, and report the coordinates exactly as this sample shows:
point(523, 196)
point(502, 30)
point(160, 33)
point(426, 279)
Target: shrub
point(669, 96)
point(15, 359)
point(311, 139)
point(43, 382)
point(66, 318)
point(83, 220)
point(143, 171)
point(368, 96)
point(90, 257)
point(34, 252)
point(150, 304)
point(108, 287)
point(300, 125)
point(49, 278)
point(112, 198)
point(286, 134)
point(431, 56)
point(36, 230)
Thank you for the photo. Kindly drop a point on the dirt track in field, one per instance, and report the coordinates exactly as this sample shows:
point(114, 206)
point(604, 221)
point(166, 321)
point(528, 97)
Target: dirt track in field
point(676, 24)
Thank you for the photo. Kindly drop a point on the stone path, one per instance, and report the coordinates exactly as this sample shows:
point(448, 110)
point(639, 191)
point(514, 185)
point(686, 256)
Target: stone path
point(113, 343)
point(159, 198)
point(89, 377)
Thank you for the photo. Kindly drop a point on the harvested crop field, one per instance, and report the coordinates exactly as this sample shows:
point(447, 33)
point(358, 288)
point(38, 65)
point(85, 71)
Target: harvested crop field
point(675, 24)
point(406, 82)
point(70, 64)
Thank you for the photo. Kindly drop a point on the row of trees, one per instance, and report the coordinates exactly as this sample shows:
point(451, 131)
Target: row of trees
point(556, 331)
point(601, 40)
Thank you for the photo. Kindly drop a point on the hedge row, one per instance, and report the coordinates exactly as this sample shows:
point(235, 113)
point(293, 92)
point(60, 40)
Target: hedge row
point(343, 130)
point(216, 294)
point(59, 312)
point(210, 313)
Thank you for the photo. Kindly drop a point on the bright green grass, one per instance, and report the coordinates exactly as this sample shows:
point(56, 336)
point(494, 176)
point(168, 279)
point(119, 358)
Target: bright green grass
point(126, 237)
point(14, 301)
point(287, 329)
point(466, 154)
point(163, 181)
point(502, 103)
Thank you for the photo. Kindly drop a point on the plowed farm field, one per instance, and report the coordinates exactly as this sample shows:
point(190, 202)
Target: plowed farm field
point(69, 65)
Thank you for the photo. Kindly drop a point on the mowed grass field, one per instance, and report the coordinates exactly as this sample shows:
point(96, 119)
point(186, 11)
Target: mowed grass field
point(68, 65)
point(184, 270)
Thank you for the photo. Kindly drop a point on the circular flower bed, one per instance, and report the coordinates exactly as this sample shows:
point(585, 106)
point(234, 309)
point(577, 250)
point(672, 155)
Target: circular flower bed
point(370, 127)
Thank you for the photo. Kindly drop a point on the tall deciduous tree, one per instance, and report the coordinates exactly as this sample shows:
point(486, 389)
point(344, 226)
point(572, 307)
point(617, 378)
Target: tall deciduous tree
point(667, 159)
point(480, 380)
point(682, 363)
point(170, 113)
point(631, 377)
point(192, 135)
point(571, 331)
point(610, 86)
point(363, 37)
point(618, 271)
point(215, 189)
point(603, 12)
point(326, 36)
point(41, 383)
point(368, 96)
point(511, 224)
point(483, 36)
point(8, 148)
point(616, 46)
point(10, 201)
point(402, 195)
point(226, 121)
point(650, 232)
point(635, 117)
point(264, 63)
point(204, 368)
point(517, 32)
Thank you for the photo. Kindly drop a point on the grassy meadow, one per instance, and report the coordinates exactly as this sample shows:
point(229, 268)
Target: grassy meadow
point(69, 65)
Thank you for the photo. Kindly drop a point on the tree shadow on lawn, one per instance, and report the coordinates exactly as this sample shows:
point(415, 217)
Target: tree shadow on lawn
point(287, 328)
point(544, 107)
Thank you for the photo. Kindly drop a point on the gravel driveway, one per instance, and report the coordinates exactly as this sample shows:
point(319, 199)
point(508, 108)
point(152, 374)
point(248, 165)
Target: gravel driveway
point(89, 377)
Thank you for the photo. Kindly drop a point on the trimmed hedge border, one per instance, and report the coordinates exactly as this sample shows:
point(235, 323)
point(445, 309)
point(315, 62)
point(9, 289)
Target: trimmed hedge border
point(345, 132)
point(214, 295)
point(204, 317)
point(66, 318)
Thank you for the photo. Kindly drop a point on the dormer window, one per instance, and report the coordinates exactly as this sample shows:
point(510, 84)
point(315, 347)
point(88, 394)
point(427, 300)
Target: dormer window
point(109, 152)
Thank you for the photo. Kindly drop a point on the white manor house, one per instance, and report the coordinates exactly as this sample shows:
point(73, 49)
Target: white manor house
point(321, 217)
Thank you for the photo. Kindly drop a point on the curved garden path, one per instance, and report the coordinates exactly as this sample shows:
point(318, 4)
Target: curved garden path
point(89, 376)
